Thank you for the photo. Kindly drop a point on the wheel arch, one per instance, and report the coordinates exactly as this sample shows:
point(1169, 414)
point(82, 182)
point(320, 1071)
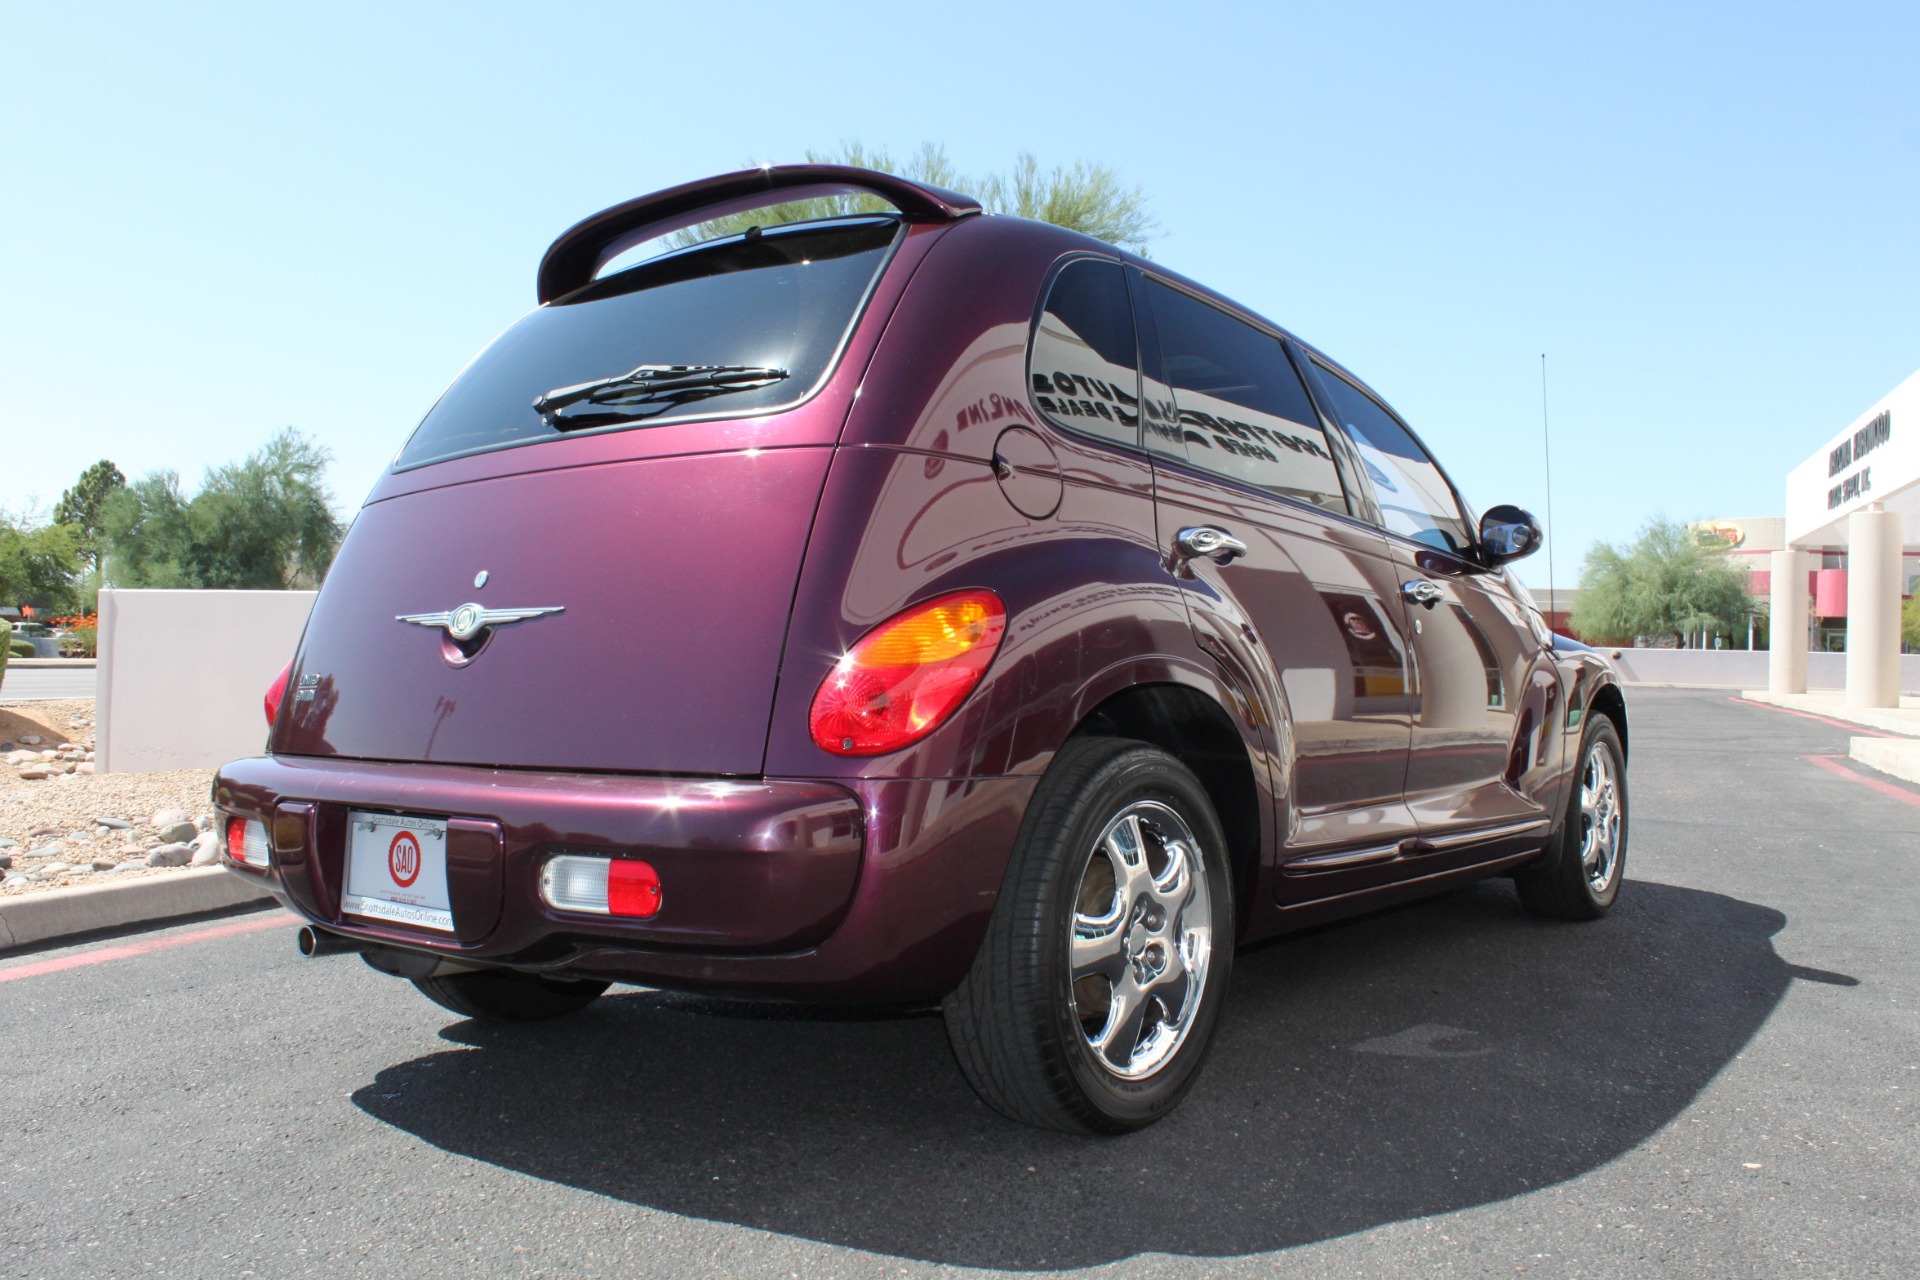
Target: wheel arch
point(1198, 731)
point(1608, 701)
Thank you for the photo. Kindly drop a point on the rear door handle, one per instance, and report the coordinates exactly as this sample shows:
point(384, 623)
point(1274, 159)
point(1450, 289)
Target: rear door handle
point(1206, 542)
point(1423, 593)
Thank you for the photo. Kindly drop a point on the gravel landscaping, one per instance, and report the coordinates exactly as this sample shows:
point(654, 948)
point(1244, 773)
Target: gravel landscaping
point(61, 824)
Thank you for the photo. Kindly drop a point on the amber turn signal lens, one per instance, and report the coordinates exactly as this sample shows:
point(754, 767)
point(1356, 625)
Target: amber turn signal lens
point(908, 675)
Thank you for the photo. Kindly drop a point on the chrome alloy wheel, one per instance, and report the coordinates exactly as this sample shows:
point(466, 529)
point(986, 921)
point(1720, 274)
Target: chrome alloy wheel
point(1600, 818)
point(1142, 940)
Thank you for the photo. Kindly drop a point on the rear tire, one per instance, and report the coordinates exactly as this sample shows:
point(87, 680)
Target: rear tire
point(507, 995)
point(1095, 994)
point(1579, 878)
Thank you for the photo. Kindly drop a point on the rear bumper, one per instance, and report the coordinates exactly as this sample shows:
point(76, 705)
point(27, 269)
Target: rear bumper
point(792, 888)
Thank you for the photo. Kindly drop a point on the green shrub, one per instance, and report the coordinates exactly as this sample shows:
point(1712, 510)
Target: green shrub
point(22, 648)
point(6, 647)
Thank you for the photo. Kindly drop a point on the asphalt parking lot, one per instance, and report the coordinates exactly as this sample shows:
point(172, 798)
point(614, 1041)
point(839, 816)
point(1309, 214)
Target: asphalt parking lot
point(1719, 1080)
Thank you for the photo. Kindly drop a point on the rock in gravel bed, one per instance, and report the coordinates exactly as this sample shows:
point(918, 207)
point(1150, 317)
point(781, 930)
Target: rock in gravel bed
point(93, 818)
point(177, 832)
point(169, 855)
point(165, 818)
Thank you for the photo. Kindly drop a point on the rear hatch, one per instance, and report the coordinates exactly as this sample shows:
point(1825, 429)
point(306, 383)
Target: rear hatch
point(585, 556)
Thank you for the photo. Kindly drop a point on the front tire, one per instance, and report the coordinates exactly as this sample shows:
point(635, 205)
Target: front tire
point(1096, 992)
point(1579, 879)
point(507, 995)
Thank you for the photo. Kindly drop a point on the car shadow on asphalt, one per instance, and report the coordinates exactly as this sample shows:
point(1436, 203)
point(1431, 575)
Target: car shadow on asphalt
point(1424, 1060)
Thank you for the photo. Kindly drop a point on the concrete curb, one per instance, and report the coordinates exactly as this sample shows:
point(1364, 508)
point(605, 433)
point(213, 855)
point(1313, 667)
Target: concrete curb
point(1897, 756)
point(53, 664)
point(34, 918)
point(1814, 705)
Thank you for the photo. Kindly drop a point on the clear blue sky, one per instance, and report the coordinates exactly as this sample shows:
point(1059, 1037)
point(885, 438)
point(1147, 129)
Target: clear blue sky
point(218, 221)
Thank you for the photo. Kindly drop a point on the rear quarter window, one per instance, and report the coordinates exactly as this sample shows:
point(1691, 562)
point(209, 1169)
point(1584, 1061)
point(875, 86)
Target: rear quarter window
point(1084, 365)
point(784, 299)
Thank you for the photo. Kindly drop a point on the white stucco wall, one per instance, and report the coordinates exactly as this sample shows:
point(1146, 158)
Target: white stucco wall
point(182, 674)
point(1738, 668)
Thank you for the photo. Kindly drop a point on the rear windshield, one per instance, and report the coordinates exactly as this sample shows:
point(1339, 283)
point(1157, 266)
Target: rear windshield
point(781, 300)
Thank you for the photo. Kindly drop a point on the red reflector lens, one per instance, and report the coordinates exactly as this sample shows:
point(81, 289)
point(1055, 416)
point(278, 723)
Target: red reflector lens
point(908, 675)
point(633, 888)
point(276, 691)
point(237, 839)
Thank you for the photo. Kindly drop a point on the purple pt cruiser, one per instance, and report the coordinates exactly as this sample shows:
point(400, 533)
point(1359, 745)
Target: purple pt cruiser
point(913, 607)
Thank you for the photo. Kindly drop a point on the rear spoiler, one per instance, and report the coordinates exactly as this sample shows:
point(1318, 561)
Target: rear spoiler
point(582, 249)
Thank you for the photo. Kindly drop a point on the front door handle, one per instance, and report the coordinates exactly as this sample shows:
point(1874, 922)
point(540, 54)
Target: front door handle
point(1206, 542)
point(1423, 593)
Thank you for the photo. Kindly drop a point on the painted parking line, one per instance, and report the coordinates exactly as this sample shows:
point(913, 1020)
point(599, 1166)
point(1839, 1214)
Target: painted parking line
point(39, 968)
point(1858, 730)
point(1832, 765)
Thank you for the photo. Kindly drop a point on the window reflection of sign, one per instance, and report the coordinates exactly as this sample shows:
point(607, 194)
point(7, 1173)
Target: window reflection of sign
point(1283, 457)
point(1073, 395)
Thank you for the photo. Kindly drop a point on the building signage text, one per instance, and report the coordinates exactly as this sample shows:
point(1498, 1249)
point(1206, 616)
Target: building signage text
point(1877, 432)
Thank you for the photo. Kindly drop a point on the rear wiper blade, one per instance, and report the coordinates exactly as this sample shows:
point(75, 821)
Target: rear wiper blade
point(647, 390)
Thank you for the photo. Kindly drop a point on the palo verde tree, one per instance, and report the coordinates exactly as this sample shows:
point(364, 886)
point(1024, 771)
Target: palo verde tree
point(1089, 198)
point(263, 524)
point(1662, 585)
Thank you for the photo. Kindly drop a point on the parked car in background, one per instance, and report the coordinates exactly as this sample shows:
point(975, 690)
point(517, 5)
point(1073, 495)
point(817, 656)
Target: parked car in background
point(914, 608)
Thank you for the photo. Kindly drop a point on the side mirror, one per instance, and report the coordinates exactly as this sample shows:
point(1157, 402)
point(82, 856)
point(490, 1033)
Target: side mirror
point(1508, 533)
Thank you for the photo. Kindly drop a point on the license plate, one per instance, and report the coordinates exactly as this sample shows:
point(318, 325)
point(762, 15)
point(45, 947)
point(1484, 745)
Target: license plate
point(397, 870)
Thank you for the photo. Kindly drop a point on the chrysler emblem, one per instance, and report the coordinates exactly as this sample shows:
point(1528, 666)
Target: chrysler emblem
point(469, 620)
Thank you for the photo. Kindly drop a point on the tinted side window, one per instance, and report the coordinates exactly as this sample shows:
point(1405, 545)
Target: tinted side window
point(1083, 367)
point(1242, 409)
point(1415, 499)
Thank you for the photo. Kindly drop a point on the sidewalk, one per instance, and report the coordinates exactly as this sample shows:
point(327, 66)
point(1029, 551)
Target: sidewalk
point(1893, 749)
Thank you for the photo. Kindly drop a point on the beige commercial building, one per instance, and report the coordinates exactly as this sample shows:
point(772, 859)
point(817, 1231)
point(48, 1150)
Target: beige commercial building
point(1854, 500)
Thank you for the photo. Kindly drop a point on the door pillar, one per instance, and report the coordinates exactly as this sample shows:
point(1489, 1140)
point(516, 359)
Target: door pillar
point(1787, 623)
point(1873, 608)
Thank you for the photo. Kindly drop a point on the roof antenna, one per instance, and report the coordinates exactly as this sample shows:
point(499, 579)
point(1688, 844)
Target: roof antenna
point(1546, 447)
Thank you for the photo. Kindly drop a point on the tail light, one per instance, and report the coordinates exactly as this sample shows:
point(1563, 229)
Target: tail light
point(247, 842)
point(604, 886)
point(907, 675)
point(277, 691)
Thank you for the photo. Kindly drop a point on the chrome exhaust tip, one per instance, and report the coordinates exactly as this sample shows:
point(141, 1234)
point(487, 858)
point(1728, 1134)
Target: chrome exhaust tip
point(317, 942)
